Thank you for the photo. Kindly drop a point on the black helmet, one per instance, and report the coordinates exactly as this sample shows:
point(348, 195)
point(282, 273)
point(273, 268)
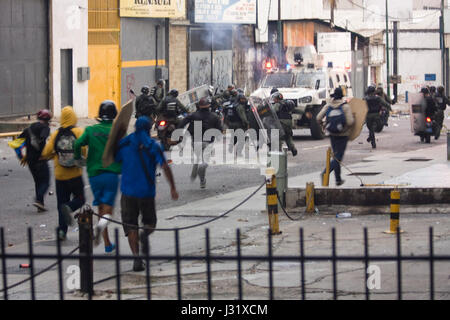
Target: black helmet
point(273, 91)
point(145, 89)
point(240, 90)
point(174, 93)
point(290, 104)
point(425, 90)
point(277, 95)
point(107, 111)
point(432, 89)
point(226, 94)
point(371, 89)
point(160, 82)
point(234, 92)
point(241, 96)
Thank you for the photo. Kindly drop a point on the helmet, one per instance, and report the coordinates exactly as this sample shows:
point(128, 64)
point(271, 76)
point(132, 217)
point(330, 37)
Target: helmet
point(290, 104)
point(230, 87)
point(240, 90)
point(107, 111)
point(440, 89)
point(277, 95)
point(234, 92)
point(145, 89)
point(432, 89)
point(226, 94)
point(241, 96)
point(370, 89)
point(174, 93)
point(204, 102)
point(425, 90)
point(44, 114)
point(160, 82)
point(273, 90)
point(211, 90)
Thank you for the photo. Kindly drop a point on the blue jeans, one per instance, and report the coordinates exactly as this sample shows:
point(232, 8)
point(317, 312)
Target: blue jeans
point(65, 189)
point(338, 145)
point(41, 176)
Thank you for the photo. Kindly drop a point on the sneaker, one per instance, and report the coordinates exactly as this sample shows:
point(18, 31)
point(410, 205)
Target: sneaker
point(67, 214)
point(40, 206)
point(203, 184)
point(194, 173)
point(340, 182)
point(62, 235)
point(294, 152)
point(110, 248)
point(374, 145)
point(138, 265)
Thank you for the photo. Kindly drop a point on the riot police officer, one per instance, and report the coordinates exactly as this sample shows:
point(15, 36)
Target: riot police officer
point(284, 110)
point(235, 118)
point(374, 103)
point(170, 107)
point(157, 91)
point(442, 102)
point(145, 104)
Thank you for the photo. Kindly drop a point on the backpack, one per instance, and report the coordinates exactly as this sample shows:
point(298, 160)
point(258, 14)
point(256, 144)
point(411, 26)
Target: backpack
point(335, 122)
point(64, 147)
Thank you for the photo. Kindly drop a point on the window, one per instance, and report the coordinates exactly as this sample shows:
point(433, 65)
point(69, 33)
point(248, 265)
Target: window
point(278, 80)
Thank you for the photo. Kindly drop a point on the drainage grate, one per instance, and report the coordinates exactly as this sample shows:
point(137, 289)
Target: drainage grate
point(52, 243)
point(364, 173)
point(418, 159)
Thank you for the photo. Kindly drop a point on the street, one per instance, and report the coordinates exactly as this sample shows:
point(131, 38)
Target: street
point(17, 213)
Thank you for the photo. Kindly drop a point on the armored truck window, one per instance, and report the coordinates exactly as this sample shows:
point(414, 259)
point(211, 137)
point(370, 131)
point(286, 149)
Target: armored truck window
point(278, 80)
point(309, 80)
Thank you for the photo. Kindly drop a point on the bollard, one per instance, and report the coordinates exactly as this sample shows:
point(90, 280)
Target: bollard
point(448, 145)
point(395, 212)
point(85, 242)
point(278, 161)
point(326, 176)
point(309, 197)
point(272, 200)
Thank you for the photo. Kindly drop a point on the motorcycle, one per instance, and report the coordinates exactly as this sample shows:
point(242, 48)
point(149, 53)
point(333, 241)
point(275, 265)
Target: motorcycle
point(429, 131)
point(165, 129)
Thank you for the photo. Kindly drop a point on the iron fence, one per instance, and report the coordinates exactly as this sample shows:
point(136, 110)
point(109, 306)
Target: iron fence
point(87, 259)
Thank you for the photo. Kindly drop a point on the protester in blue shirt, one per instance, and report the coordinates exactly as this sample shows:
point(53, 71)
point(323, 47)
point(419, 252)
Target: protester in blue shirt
point(139, 155)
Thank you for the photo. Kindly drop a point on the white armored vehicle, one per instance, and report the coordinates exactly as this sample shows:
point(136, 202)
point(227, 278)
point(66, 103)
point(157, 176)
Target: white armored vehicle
point(308, 84)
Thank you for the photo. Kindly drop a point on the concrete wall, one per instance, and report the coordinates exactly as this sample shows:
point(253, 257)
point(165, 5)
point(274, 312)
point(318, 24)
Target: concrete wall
point(140, 53)
point(178, 61)
point(69, 30)
point(244, 58)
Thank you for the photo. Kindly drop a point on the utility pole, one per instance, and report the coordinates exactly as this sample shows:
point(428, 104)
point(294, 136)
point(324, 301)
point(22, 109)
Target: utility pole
point(395, 67)
point(441, 31)
point(280, 36)
point(387, 52)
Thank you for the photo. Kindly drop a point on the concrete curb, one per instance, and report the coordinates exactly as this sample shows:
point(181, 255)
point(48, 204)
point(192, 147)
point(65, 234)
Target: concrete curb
point(368, 197)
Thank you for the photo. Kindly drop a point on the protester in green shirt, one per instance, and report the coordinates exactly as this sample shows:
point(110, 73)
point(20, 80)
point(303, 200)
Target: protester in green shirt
point(104, 182)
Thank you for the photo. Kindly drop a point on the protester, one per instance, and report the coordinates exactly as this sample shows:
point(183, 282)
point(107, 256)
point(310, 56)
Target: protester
point(68, 177)
point(35, 137)
point(104, 182)
point(139, 155)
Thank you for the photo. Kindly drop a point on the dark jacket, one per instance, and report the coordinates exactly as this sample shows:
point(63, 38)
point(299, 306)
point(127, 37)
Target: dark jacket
point(208, 120)
point(35, 138)
point(375, 103)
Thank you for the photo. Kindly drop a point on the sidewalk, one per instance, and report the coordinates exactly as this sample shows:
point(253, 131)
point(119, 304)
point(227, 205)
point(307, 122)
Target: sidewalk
point(253, 223)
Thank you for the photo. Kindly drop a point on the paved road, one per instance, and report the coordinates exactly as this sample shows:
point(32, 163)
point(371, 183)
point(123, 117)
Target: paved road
point(17, 190)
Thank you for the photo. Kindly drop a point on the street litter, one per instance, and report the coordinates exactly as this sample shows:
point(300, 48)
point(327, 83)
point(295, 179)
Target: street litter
point(344, 215)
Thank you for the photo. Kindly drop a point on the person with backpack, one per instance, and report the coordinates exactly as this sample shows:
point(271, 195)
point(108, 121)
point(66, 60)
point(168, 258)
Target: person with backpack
point(139, 155)
point(375, 105)
point(104, 181)
point(339, 120)
point(68, 176)
point(35, 137)
point(145, 104)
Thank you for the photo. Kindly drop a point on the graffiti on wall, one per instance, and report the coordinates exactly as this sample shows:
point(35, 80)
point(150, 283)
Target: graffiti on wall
point(200, 68)
point(222, 69)
point(130, 81)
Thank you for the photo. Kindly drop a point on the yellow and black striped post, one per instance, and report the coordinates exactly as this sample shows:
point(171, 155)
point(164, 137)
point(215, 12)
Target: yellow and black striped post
point(309, 197)
point(272, 200)
point(395, 212)
point(326, 176)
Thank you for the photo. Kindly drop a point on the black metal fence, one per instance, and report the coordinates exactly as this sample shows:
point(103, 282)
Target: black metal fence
point(87, 259)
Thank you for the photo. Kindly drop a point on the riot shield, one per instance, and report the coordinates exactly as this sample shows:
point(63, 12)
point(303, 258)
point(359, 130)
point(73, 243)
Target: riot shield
point(191, 97)
point(266, 117)
point(417, 105)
